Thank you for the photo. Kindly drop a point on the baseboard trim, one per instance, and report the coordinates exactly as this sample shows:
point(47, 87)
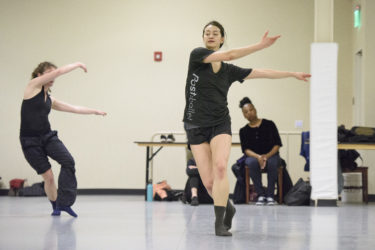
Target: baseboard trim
point(110, 191)
point(4, 192)
point(113, 191)
point(97, 191)
point(323, 203)
point(327, 203)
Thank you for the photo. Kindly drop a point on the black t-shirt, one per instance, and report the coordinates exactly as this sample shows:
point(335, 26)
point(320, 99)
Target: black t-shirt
point(206, 92)
point(260, 139)
point(34, 115)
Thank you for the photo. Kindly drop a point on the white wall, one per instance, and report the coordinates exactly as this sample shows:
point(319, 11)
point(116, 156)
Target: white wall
point(116, 39)
point(343, 33)
point(364, 38)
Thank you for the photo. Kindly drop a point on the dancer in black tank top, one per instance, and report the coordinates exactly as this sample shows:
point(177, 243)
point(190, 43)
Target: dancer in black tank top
point(206, 116)
point(39, 141)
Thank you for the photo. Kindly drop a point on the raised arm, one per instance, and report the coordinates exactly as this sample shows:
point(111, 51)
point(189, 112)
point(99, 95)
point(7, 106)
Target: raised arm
point(276, 74)
point(65, 107)
point(233, 54)
point(39, 81)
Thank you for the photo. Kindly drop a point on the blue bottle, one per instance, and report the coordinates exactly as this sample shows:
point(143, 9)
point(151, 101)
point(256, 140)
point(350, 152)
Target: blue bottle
point(149, 192)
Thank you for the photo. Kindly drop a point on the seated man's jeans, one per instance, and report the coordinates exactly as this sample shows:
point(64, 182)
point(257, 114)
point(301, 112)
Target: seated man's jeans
point(271, 168)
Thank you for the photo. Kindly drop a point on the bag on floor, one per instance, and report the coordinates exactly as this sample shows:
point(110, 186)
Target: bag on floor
point(15, 185)
point(162, 191)
point(299, 194)
point(287, 181)
point(37, 189)
point(239, 193)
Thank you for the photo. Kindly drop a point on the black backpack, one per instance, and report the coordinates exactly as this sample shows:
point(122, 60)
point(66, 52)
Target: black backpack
point(239, 194)
point(287, 181)
point(299, 194)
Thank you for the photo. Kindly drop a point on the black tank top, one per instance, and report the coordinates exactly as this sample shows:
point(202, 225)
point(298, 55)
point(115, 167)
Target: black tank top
point(34, 115)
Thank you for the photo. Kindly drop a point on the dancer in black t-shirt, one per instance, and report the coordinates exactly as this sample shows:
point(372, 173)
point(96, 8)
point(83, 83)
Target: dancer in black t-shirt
point(206, 116)
point(39, 141)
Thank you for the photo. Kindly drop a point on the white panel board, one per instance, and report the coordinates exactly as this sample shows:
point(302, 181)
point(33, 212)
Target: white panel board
point(323, 119)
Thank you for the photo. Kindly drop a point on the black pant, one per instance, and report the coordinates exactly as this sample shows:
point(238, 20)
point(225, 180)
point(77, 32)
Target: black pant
point(36, 150)
point(271, 168)
point(193, 177)
point(195, 181)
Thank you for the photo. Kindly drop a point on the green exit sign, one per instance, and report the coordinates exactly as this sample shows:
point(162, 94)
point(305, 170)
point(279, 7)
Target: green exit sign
point(357, 16)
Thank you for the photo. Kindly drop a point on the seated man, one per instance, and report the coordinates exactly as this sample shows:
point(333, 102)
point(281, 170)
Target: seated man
point(195, 192)
point(260, 142)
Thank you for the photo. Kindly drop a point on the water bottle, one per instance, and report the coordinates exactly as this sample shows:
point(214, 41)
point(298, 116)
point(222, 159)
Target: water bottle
point(149, 192)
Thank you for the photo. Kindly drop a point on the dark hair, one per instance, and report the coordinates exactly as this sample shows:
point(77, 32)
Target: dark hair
point(42, 67)
point(245, 101)
point(217, 24)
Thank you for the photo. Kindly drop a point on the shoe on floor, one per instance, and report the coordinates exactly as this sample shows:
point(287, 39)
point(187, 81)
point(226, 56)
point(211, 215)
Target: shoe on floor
point(194, 201)
point(261, 201)
point(270, 201)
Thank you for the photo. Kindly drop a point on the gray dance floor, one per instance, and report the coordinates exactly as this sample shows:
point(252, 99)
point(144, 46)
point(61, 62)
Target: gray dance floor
point(128, 222)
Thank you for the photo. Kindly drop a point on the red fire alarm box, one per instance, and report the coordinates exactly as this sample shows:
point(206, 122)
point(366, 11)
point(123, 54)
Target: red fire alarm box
point(158, 56)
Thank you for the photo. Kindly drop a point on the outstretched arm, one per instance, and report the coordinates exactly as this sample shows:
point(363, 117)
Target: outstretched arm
point(276, 74)
point(47, 77)
point(233, 54)
point(62, 106)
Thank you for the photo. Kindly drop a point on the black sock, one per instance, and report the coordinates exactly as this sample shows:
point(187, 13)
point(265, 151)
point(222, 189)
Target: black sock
point(55, 211)
point(229, 214)
point(53, 204)
point(220, 230)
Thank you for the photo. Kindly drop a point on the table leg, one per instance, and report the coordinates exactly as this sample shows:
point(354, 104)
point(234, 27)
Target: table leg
point(247, 184)
point(148, 159)
point(147, 169)
point(365, 185)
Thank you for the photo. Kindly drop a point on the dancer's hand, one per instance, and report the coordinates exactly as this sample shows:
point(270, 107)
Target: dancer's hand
point(262, 160)
point(302, 76)
point(98, 112)
point(82, 66)
point(268, 41)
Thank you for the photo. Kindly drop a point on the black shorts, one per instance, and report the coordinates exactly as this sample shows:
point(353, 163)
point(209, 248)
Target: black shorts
point(200, 135)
